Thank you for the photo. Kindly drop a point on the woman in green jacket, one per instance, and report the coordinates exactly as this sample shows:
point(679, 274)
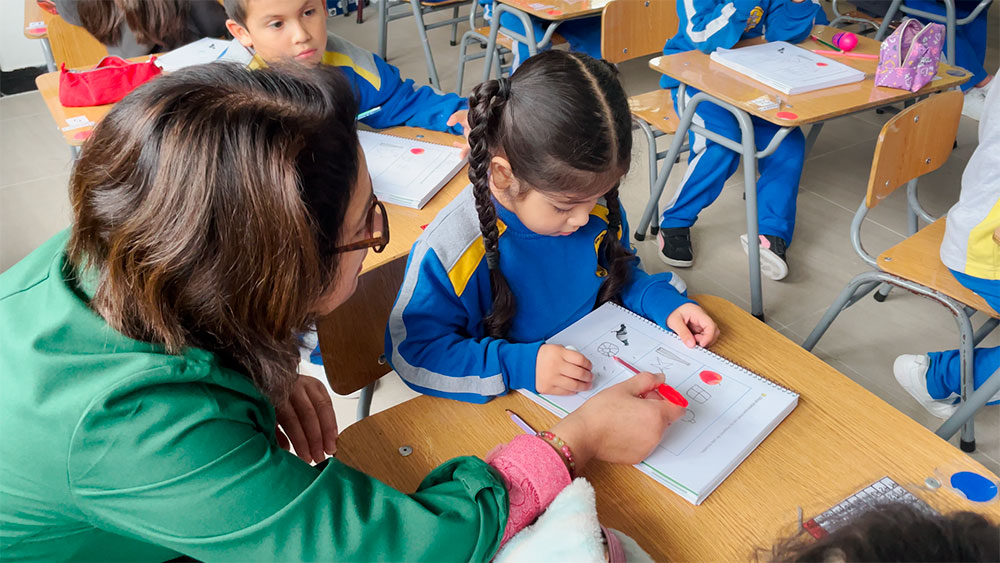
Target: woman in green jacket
point(217, 213)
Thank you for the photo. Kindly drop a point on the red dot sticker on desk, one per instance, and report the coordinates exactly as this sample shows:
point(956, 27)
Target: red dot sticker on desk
point(822, 64)
point(82, 135)
point(786, 115)
point(38, 30)
point(554, 12)
point(417, 150)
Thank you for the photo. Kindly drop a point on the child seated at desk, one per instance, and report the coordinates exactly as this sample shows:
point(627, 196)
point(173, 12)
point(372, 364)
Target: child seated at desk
point(533, 245)
point(295, 30)
point(972, 255)
point(707, 25)
point(582, 34)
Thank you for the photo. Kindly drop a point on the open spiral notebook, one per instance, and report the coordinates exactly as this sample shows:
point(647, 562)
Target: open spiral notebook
point(730, 409)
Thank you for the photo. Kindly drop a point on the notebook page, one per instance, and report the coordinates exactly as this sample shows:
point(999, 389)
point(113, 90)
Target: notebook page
point(787, 68)
point(730, 409)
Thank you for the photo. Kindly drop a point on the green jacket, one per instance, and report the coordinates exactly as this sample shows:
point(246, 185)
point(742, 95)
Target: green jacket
point(111, 449)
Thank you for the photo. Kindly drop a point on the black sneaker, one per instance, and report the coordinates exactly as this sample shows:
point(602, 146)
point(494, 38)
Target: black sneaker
point(675, 246)
point(772, 256)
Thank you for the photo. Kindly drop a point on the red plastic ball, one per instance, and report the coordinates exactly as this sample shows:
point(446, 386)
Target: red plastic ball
point(845, 40)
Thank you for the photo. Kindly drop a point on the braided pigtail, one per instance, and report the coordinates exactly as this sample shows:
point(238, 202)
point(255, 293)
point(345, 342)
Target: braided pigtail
point(617, 256)
point(486, 106)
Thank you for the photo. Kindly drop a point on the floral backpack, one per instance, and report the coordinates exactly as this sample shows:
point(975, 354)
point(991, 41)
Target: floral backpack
point(908, 59)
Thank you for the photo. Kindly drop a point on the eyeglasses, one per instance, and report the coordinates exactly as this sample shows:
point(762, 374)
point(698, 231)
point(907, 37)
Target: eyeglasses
point(378, 229)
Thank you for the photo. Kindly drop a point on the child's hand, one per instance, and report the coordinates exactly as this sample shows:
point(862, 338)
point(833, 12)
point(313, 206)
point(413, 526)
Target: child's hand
point(559, 371)
point(693, 325)
point(461, 116)
point(308, 421)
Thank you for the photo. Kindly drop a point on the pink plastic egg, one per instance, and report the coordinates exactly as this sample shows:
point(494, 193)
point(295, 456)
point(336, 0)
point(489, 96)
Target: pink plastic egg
point(845, 40)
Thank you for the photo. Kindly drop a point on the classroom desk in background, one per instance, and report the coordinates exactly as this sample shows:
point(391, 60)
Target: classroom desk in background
point(734, 92)
point(553, 11)
point(838, 440)
point(35, 28)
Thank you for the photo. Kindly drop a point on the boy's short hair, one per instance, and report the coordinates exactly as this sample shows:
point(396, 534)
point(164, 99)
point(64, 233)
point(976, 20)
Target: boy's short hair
point(237, 11)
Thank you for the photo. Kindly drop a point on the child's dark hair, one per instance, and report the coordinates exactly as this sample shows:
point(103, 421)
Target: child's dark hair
point(563, 123)
point(897, 532)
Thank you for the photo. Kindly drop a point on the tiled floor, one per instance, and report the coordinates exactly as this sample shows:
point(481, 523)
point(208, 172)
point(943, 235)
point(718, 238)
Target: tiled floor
point(35, 167)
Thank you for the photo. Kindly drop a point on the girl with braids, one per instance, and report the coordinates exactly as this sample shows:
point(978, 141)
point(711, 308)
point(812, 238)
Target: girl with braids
point(534, 245)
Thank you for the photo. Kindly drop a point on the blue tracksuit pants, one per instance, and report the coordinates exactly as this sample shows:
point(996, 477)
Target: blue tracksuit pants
point(944, 376)
point(711, 164)
point(970, 39)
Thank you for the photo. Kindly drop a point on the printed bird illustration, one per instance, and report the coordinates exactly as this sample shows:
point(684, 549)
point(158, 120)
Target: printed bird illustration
point(622, 334)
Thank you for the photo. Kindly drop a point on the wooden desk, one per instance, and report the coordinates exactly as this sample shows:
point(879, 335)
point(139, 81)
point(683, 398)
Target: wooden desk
point(351, 338)
point(839, 439)
point(560, 11)
point(48, 87)
point(733, 92)
point(698, 70)
point(35, 28)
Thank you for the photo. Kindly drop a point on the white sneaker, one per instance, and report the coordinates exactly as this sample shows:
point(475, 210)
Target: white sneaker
point(975, 98)
point(772, 256)
point(911, 373)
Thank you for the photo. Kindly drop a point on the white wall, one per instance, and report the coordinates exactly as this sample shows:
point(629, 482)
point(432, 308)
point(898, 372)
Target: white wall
point(16, 50)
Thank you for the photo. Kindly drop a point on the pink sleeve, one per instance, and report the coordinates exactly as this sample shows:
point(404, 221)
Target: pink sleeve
point(534, 474)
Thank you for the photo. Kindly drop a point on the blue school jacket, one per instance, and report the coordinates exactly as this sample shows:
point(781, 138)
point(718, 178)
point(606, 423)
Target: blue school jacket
point(435, 338)
point(378, 84)
point(707, 25)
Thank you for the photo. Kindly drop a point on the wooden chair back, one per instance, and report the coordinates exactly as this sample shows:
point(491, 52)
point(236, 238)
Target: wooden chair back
point(72, 44)
point(636, 28)
point(917, 141)
point(352, 337)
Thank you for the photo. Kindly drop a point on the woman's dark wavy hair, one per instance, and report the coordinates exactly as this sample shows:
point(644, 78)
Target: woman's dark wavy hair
point(896, 532)
point(562, 121)
point(208, 204)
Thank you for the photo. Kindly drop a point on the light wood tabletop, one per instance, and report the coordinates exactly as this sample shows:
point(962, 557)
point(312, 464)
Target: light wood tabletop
point(559, 10)
point(696, 69)
point(34, 20)
point(75, 123)
point(838, 440)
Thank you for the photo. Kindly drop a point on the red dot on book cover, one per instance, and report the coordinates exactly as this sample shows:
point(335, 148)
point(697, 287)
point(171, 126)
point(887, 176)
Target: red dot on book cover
point(786, 115)
point(554, 12)
point(417, 150)
point(822, 64)
point(82, 135)
point(710, 377)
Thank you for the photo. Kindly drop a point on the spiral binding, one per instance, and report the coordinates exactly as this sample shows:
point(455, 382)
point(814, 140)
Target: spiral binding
point(719, 357)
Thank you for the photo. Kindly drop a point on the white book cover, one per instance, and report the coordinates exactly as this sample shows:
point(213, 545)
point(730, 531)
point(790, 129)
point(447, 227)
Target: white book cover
point(730, 410)
point(408, 172)
point(787, 68)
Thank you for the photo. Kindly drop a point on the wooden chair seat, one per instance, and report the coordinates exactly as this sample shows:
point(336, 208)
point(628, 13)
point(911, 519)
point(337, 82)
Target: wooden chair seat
point(657, 109)
point(918, 259)
point(508, 43)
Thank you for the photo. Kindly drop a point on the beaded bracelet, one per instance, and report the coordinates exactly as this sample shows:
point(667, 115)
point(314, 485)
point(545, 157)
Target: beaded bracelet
point(562, 449)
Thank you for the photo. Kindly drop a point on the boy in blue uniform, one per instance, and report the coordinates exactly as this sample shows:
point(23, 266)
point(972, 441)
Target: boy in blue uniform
point(707, 25)
point(295, 30)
